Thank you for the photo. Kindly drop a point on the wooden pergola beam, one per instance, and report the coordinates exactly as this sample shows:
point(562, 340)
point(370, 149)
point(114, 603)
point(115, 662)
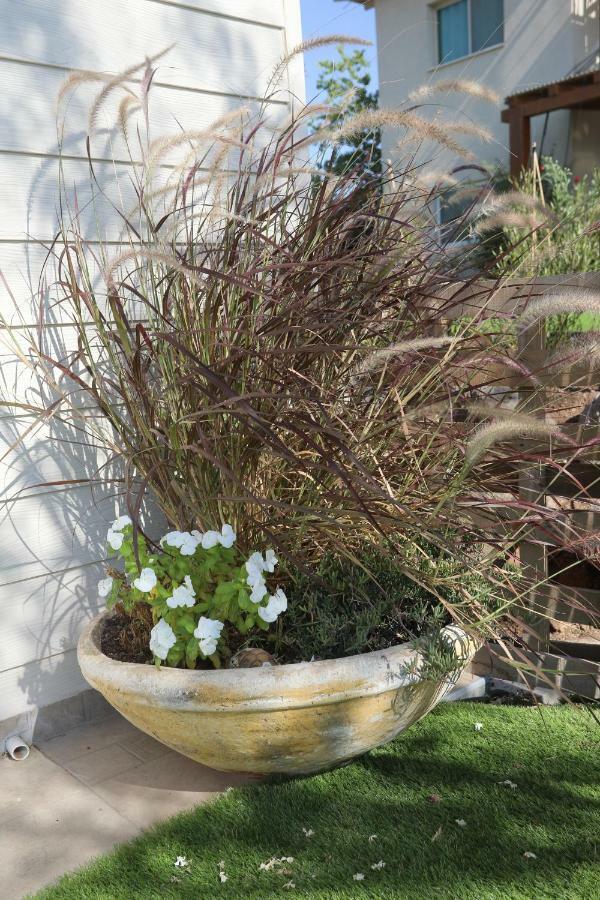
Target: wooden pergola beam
point(580, 92)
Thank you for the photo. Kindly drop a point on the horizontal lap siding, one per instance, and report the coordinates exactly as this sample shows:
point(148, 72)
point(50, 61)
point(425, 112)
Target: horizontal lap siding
point(223, 55)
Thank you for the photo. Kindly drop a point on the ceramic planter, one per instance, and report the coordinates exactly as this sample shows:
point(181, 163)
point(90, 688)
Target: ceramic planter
point(293, 719)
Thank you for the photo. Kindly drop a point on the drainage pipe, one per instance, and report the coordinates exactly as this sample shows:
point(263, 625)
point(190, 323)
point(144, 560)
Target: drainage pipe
point(16, 747)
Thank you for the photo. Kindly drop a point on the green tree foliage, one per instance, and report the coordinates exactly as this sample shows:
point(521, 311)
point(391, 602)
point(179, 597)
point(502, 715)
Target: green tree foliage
point(345, 83)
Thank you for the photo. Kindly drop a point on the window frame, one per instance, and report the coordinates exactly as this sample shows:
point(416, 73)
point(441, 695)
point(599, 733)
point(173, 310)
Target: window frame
point(444, 3)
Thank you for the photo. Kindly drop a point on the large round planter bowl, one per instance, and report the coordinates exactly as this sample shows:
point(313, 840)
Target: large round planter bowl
point(293, 719)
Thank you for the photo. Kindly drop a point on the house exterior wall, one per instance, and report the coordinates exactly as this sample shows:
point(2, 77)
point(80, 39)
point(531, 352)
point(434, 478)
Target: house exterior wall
point(543, 41)
point(223, 54)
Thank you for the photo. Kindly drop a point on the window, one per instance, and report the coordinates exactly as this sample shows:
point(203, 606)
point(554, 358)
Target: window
point(467, 26)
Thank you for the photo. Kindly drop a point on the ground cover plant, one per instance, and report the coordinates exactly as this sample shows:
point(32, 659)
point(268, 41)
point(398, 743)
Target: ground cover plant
point(564, 237)
point(506, 812)
point(263, 353)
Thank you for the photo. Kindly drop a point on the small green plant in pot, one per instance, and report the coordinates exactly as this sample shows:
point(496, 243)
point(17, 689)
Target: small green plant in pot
point(196, 585)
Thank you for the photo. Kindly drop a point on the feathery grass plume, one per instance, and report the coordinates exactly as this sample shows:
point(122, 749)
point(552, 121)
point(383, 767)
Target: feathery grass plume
point(433, 178)
point(75, 79)
point(580, 349)
point(494, 203)
point(509, 219)
point(160, 146)
point(118, 81)
point(504, 430)
point(418, 129)
point(575, 300)
point(510, 209)
point(141, 252)
point(455, 85)
point(397, 351)
point(312, 44)
point(128, 105)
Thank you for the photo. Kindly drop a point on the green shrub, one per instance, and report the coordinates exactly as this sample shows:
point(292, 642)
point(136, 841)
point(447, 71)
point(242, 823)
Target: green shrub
point(350, 607)
point(568, 241)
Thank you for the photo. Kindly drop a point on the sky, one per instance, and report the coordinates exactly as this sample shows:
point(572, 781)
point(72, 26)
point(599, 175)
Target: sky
point(323, 17)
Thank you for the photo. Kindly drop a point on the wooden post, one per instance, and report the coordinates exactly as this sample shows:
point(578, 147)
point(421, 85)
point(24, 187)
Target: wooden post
point(519, 138)
point(532, 482)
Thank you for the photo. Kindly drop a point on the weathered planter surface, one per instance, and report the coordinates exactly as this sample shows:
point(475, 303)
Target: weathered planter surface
point(293, 719)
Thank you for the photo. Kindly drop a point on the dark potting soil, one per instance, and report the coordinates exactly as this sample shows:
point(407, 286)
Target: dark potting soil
point(126, 638)
point(124, 641)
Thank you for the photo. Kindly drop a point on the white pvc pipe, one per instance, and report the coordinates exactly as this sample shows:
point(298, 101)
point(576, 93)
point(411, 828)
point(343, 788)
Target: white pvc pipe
point(16, 747)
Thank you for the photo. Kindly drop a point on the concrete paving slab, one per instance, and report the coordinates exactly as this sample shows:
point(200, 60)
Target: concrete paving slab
point(88, 738)
point(79, 794)
point(163, 787)
point(56, 824)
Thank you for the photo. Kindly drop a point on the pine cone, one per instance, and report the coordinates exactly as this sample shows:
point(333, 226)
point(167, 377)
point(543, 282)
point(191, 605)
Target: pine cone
point(252, 658)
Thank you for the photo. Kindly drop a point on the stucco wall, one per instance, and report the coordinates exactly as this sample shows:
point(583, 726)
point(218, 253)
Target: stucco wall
point(224, 50)
point(543, 41)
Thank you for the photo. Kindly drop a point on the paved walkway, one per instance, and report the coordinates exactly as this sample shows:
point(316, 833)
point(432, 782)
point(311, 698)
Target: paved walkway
point(79, 794)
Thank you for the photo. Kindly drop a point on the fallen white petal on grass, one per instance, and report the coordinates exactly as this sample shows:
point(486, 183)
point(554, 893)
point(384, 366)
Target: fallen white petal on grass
point(436, 835)
point(289, 885)
point(275, 861)
point(478, 726)
point(181, 862)
point(378, 865)
point(223, 877)
point(508, 783)
point(308, 832)
point(529, 855)
point(461, 823)
point(373, 837)
point(358, 877)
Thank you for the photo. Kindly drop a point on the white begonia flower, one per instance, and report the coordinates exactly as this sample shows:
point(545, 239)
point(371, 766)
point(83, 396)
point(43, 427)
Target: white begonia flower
point(255, 564)
point(173, 539)
point(276, 605)
point(120, 523)
point(478, 726)
point(227, 538)
point(185, 541)
point(358, 877)
point(105, 587)
point(208, 632)
point(210, 539)
point(181, 862)
point(270, 561)
point(115, 539)
point(259, 590)
point(189, 545)
point(162, 638)
point(146, 581)
point(184, 595)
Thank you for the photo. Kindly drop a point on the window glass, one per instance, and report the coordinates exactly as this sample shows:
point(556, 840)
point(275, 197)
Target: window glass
point(453, 31)
point(487, 23)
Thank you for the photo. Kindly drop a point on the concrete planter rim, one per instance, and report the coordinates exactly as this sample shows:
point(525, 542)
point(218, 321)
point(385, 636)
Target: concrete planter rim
point(359, 675)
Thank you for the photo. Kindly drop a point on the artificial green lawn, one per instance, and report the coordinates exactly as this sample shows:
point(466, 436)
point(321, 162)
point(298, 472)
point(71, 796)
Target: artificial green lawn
point(552, 754)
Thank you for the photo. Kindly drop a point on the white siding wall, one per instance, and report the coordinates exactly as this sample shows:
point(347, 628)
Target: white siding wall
point(543, 40)
point(225, 50)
